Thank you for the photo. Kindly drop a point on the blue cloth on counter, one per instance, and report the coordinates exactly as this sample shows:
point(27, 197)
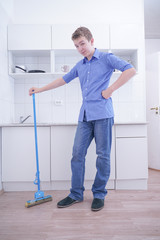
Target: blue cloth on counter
point(94, 77)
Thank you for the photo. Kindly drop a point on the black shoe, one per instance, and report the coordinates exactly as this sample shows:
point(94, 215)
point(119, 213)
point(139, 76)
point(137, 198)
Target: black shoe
point(66, 202)
point(97, 204)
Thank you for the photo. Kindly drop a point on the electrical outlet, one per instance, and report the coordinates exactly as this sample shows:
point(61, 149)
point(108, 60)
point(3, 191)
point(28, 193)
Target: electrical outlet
point(58, 102)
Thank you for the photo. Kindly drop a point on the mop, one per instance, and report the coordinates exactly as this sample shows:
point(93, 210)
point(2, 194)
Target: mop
point(39, 195)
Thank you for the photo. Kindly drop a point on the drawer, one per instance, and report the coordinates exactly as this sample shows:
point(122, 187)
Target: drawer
point(131, 130)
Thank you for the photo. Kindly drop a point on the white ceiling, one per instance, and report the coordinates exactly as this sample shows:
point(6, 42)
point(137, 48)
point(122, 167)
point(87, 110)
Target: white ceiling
point(152, 18)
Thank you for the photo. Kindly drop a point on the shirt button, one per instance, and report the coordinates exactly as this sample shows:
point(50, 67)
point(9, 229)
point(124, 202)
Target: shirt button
point(88, 72)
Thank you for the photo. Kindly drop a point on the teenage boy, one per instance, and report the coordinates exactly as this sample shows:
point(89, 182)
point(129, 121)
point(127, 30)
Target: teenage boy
point(96, 116)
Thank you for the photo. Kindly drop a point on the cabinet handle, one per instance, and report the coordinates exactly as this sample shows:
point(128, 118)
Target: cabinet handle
point(154, 108)
point(157, 109)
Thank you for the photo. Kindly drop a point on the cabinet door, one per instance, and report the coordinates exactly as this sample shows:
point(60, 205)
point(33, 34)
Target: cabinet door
point(62, 33)
point(29, 37)
point(62, 139)
point(131, 158)
point(100, 34)
point(18, 154)
point(126, 36)
point(61, 36)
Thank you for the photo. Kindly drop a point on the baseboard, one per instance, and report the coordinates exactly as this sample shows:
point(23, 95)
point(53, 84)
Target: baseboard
point(53, 185)
point(133, 184)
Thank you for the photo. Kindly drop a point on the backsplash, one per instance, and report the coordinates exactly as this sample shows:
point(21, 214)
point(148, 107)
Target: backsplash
point(54, 106)
point(62, 105)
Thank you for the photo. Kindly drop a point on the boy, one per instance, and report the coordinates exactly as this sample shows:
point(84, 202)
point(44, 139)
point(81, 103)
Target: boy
point(96, 116)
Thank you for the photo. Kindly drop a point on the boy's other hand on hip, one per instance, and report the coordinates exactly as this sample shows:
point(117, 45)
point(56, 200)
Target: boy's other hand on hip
point(107, 93)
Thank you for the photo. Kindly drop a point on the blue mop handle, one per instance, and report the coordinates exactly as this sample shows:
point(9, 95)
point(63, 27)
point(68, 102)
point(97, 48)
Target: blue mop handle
point(36, 143)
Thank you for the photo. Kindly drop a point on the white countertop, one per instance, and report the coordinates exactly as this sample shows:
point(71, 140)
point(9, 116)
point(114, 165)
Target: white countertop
point(60, 124)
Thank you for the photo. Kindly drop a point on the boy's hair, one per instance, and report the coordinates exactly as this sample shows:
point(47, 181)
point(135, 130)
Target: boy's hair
point(82, 32)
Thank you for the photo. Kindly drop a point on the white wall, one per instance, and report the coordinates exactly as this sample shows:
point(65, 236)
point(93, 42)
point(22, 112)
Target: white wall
point(75, 11)
point(6, 83)
point(62, 11)
point(81, 12)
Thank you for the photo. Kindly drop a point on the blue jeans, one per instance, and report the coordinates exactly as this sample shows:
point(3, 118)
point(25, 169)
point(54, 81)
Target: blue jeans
point(101, 130)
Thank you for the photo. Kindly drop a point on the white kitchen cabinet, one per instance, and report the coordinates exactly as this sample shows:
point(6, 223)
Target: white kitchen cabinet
point(131, 153)
point(61, 35)
point(126, 36)
point(31, 60)
point(129, 165)
point(29, 37)
point(49, 47)
point(100, 34)
point(18, 154)
point(62, 139)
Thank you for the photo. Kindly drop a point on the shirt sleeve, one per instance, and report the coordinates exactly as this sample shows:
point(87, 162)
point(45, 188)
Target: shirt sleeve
point(71, 75)
point(118, 63)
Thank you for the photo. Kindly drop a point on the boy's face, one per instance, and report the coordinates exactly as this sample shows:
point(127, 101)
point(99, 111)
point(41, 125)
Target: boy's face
point(84, 46)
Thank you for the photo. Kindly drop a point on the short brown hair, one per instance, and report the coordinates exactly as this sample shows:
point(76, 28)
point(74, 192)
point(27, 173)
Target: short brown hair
point(82, 32)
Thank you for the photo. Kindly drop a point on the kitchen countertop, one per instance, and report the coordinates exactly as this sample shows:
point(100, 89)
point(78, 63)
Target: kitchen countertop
point(61, 124)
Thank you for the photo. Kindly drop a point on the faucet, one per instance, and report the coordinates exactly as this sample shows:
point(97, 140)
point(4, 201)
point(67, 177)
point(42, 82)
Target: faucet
point(23, 120)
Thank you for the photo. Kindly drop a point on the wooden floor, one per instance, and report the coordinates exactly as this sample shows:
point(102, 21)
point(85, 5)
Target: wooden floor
point(127, 215)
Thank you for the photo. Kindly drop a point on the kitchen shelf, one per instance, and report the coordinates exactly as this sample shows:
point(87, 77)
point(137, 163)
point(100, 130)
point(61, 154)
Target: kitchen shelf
point(38, 76)
point(53, 61)
point(129, 55)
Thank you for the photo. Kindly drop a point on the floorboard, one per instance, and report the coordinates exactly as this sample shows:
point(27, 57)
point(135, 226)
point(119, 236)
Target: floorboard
point(127, 215)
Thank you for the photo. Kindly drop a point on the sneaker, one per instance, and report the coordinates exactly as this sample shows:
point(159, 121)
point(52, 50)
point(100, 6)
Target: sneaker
point(97, 204)
point(66, 202)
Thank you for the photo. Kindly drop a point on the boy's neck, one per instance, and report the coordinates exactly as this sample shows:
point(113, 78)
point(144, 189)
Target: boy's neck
point(91, 55)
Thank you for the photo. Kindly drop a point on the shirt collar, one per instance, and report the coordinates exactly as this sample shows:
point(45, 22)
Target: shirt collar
point(95, 55)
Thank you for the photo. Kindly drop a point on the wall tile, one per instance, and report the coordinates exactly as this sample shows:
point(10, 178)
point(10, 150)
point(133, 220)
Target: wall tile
point(44, 113)
point(45, 97)
point(19, 111)
point(72, 112)
point(19, 94)
point(58, 113)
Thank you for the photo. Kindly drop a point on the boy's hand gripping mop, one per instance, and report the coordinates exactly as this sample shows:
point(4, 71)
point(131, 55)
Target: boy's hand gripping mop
point(39, 195)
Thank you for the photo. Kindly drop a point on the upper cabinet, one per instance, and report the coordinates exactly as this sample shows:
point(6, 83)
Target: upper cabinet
point(50, 47)
point(29, 37)
point(100, 34)
point(62, 34)
point(58, 36)
point(126, 36)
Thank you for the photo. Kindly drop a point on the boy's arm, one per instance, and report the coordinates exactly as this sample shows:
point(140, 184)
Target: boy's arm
point(55, 84)
point(124, 77)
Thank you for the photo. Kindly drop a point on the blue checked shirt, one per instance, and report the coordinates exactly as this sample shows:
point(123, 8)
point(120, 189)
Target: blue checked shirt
point(94, 77)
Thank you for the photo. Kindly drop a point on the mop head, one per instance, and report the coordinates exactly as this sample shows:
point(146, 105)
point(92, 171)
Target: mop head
point(37, 201)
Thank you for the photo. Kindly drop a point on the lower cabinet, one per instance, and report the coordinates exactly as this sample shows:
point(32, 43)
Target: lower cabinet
point(129, 161)
point(18, 154)
point(62, 139)
point(131, 157)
